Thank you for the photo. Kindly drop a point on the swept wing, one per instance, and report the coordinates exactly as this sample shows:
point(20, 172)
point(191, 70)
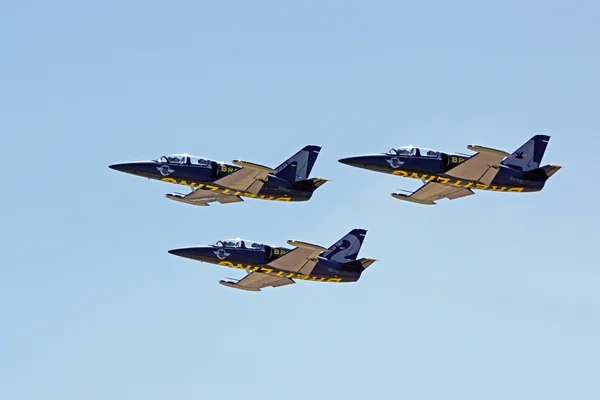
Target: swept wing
point(301, 260)
point(255, 281)
point(200, 197)
point(250, 178)
point(481, 167)
point(432, 191)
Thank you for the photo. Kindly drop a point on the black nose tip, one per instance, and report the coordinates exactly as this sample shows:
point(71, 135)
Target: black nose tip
point(118, 167)
point(185, 252)
point(351, 161)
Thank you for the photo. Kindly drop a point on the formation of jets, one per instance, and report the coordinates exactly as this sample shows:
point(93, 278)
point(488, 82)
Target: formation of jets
point(444, 175)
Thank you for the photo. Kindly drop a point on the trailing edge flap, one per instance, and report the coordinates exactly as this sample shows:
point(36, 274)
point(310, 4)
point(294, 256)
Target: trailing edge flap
point(481, 167)
point(301, 260)
point(249, 178)
point(432, 191)
point(255, 281)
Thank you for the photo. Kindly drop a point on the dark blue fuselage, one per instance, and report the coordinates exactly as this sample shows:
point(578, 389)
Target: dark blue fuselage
point(433, 169)
point(203, 177)
point(256, 260)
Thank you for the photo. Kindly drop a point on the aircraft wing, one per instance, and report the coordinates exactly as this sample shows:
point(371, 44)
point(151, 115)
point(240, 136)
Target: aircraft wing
point(431, 191)
point(201, 197)
point(301, 260)
point(481, 167)
point(254, 281)
point(250, 178)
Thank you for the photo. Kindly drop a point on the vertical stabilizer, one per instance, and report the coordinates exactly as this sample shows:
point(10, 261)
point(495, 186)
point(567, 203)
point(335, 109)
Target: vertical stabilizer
point(529, 156)
point(346, 249)
point(298, 166)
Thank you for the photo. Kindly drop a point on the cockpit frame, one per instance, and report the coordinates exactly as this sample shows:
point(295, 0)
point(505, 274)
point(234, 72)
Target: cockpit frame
point(184, 159)
point(239, 244)
point(412, 151)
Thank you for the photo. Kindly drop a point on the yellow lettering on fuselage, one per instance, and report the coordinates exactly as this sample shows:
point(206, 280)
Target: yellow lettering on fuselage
point(222, 190)
point(279, 252)
point(270, 271)
point(456, 182)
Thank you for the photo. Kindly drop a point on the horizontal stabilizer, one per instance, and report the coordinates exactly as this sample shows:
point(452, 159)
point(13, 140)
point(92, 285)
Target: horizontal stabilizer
point(366, 262)
point(310, 184)
point(541, 174)
point(246, 164)
point(551, 169)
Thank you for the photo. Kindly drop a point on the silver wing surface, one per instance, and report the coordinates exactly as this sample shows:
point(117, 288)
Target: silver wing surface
point(200, 197)
point(481, 167)
point(301, 260)
point(250, 178)
point(254, 281)
point(432, 191)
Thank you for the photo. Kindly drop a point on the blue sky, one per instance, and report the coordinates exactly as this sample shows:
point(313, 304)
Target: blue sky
point(493, 296)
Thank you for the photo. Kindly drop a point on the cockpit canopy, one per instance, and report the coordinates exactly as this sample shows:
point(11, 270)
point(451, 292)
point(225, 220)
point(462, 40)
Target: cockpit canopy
point(183, 159)
point(239, 243)
point(410, 151)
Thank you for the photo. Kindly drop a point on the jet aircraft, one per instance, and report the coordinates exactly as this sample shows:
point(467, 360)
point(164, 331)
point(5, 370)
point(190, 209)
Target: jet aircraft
point(212, 181)
point(278, 266)
point(455, 175)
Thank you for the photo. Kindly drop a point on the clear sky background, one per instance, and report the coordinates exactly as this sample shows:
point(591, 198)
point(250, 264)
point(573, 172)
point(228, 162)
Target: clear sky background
point(494, 296)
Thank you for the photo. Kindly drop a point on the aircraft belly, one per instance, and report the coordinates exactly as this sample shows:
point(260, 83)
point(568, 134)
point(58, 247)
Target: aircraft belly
point(500, 183)
point(315, 276)
point(280, 192)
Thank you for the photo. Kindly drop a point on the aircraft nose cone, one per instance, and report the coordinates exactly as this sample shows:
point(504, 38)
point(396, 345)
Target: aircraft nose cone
point(351, 161)
point(121, 167)
point(179, 252)
point(190, 252)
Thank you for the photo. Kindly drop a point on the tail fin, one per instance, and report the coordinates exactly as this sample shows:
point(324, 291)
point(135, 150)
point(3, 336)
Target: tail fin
point(346, 249)
point(529, 156)
point(298, 166)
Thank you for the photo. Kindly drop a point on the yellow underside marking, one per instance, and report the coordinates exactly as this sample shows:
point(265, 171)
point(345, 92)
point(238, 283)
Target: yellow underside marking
point(218, 189)
point(281, 274)
point(457, 182)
